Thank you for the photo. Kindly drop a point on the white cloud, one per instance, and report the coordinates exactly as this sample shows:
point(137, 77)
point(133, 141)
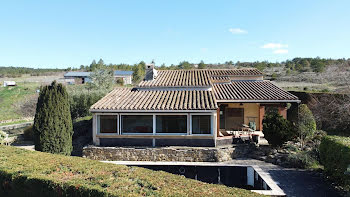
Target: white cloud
point(280, 51)
point(204, 50)
point(274, 46)
point(237, 31)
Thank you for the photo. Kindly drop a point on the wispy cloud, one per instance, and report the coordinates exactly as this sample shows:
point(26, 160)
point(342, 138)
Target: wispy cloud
point(280, 51)
point(274, 46)
point(237, 31)
point(277, 48)
point(204, 50)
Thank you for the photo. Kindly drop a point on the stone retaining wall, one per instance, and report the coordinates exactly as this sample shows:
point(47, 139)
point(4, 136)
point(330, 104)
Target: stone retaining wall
point(15, 126)
point(181, 154)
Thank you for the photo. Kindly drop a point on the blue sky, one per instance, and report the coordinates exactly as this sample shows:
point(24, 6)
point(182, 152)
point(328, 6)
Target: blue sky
point(70, 33)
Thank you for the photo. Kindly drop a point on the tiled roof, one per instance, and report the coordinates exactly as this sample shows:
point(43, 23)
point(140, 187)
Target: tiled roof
point(220, 79)
point(77, 74)
point(123, 72)
point(251, 90)
point(194, 78)
point(131, 99)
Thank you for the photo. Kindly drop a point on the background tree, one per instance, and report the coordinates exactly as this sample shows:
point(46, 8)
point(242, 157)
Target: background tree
point(52, 127)
point(201, 65)
point(277, 130)
point(102, 79)
point(185, 65)
point(139, 71)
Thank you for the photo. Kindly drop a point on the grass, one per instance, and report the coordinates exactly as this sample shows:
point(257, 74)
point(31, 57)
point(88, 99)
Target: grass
point(10, 96)
point(64, 174)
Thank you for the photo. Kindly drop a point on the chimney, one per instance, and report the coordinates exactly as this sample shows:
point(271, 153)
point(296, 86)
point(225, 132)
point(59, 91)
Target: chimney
point(151, 72)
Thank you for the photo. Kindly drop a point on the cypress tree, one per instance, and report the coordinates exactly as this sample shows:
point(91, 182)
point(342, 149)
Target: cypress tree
point(53, 127)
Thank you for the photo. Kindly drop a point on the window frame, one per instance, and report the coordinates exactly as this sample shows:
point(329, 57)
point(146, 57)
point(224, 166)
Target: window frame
point(211, 124)
point(172, 114)
point(135, 114)
point(99, 124)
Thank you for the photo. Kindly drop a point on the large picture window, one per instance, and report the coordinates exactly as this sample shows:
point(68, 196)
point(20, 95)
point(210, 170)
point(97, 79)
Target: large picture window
point(171, 124)
point(108, 124)
point(201, 124)
point(137, 123)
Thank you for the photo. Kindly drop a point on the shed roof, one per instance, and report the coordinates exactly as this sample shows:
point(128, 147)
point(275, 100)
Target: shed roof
point(123, 72)
point(131, 99)
point(251, 91)
point(77, 74)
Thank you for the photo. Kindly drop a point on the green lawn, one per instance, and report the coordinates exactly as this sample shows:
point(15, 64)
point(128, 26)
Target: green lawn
point(10, 97)
point(25, 172)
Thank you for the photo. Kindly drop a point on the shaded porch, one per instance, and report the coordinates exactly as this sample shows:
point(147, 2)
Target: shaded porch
point(243, 121)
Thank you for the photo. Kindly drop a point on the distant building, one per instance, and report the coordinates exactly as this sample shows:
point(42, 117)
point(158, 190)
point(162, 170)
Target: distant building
point(125, 75)
point(9, 83)
point(77, 77)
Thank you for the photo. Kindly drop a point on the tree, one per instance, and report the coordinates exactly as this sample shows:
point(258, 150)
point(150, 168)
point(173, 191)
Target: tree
point(277, 130)
point(139, 71)
point(185, 65)
point(93, 65)
point(306, 124)
point(102, 79)
point(201, 65)
point(100, 64)
point(53, 127)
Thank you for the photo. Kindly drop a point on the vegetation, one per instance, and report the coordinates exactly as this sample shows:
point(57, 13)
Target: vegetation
point(80, 103)
point(102, 79)
point(3, 135)
point(335, 156)
point(19, 71)
point(31, 173)
point(52, 127)
point(28, 133)
point(305, 124)
point(12, 97)
point(277, 130)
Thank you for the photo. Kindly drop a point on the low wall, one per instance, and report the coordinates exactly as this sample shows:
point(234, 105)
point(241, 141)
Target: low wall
point(181, 154)
point(15, 126)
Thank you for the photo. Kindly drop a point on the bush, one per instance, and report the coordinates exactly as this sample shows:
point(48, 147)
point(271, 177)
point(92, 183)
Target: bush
point(306, 124)
point(28, 133)
point(277, 130)
point(3, 135)
point(32, 173)
point(80, 103)
point(53, 127)
point(335, 156)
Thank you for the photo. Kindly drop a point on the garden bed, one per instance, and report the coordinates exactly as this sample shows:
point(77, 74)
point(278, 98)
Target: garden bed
point(26, 173)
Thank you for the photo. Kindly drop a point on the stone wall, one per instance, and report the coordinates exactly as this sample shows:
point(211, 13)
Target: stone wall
point(181, 154)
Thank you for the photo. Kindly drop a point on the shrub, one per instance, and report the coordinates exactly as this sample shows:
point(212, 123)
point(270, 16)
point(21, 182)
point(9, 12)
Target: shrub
point(52, 127)
point(28, 133)
point(277, 130)
point(335, 156)
point(306, 124)
point(3, 135)
point(32, 173)
point(80, 103)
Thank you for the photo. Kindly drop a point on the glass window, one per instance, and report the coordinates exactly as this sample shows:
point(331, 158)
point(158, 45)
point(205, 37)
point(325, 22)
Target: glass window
point(137, 124)
point(201, 124)
point(171, 123)
point(108, 124)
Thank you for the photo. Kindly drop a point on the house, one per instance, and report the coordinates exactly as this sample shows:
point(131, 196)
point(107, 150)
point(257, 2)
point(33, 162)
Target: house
point(207, 107)
point(9, 83)
point(77, 77)
point(126, 76)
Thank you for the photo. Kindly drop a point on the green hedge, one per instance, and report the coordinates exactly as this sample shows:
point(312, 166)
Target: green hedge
point(335, 156)
point(31, 173)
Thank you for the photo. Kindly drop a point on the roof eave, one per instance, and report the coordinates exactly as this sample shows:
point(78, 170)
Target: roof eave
point(258, 101)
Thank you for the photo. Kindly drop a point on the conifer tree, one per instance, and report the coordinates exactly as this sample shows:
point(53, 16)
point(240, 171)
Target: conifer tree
point(53, 127)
